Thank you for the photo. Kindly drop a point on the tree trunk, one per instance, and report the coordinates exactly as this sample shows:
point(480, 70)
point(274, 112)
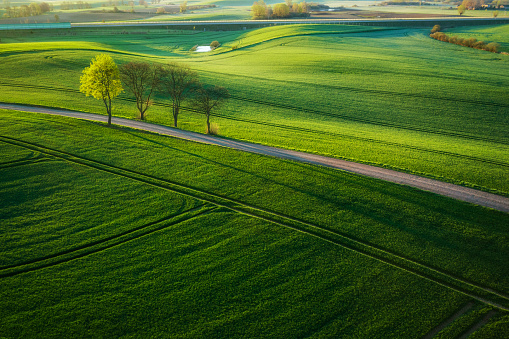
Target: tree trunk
point(175, 115)
point(208, 123)
point(109, 111)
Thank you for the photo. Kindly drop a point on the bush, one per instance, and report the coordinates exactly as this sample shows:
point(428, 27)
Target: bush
point(492, 47)
point(160, 10)
point(479, 45)
point(435, 29)
point(214, 44)
point(469, 42)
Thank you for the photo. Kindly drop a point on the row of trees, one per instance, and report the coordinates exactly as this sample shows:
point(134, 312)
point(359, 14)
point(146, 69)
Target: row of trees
point(467, 42)
point(68, 5)
point(27, 10)
point(103, 80)
point(260, 10)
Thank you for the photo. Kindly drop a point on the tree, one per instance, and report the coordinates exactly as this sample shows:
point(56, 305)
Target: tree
point(303, 7)
point(281, 11)
point(179, 82)
point(102, 81)
point(141, 78)
point(461, 9)
point(183, 7)
point(209, 98)
point(259, 10)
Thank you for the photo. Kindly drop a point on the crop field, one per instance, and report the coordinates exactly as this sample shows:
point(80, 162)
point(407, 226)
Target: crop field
point(115, 232)
point(390, 97)
point(498, 34)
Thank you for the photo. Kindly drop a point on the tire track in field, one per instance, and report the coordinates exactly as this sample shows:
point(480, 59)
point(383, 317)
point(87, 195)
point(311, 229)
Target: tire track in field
point(367, 90)
point(447, 189)
point(431, 334)
point(25, 161)
point(388, 143)
point(306, 110)
point(473, 290)
point(104, 244)
point(479, 324)
point(307, 130)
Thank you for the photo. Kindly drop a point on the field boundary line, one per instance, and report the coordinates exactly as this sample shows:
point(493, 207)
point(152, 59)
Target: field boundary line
point(340, 239)
point(449, 320)
point(102, 245)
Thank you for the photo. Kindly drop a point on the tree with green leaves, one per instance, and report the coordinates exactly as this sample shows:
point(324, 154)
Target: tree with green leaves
point(102, 81)
point(259, 10)
point(180, 83)
point(209, 98)
point(142, 79)
point(461, 9)
point(281, 11)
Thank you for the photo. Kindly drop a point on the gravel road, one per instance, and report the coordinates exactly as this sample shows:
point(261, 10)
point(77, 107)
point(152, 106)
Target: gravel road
point(462, 193)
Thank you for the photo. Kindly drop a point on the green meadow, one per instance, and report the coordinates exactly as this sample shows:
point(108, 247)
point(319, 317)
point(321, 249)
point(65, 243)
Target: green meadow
point(115, 232)
point(390, 97)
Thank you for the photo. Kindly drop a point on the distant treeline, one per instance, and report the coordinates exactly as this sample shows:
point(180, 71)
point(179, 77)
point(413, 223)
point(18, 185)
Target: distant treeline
point(68, 5)
point(27, 10)
point(260, 10)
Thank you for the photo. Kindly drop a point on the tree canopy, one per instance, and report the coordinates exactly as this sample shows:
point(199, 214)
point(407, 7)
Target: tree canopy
point(209, 98)
point(102, 81)
point(179, 82)
point(142, 79)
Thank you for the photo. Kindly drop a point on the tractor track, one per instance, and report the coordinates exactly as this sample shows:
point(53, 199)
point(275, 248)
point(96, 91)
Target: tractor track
point(301, 109)
point(104, 244)
point(473, 290)
point(312, 131)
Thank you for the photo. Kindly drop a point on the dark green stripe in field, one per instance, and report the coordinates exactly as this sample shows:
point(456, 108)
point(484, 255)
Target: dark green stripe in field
point(223, 273)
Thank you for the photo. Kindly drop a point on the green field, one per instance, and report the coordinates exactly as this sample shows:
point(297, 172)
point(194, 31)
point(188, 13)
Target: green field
point(114, 232)
point(389, 97)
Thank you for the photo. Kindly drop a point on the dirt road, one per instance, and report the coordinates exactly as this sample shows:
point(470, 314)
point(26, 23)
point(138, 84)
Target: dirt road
point(470, 195)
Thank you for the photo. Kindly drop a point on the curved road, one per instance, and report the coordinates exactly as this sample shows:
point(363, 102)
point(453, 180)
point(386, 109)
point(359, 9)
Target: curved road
point(470, 195)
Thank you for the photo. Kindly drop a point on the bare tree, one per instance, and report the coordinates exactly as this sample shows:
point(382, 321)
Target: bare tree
point(209, 98)
point(141, 78)
point(179, 82)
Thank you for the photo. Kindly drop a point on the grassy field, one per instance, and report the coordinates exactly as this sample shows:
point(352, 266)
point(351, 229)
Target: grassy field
point(115, 232)
point(498, 34)
point(389, 97)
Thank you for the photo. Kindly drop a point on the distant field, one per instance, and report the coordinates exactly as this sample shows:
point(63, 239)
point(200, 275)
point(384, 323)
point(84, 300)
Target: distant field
point(115, 232)
point(390, 97)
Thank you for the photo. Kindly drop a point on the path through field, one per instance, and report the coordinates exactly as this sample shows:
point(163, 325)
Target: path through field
point(462, 193)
